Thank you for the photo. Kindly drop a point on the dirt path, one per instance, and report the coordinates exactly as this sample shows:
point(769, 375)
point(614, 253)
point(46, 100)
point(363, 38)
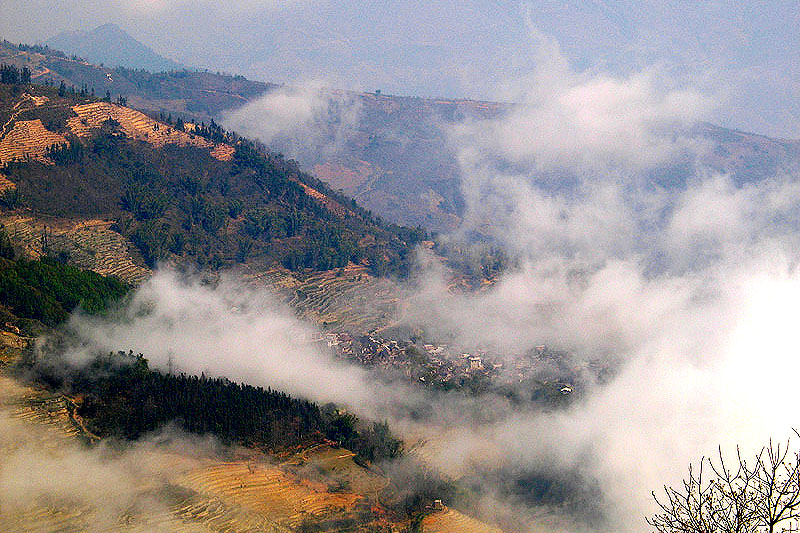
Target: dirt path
point(45, 72)
point(79, 422)
point(18, 112)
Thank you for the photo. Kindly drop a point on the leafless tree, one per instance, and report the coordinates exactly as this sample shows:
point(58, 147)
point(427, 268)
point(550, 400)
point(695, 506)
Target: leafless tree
point(751, 496)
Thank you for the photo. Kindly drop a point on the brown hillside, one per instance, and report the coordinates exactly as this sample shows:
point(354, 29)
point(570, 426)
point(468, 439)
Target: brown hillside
point(280, 497)
point(169, 490)
point(450, 520)
point(330, 204)
point(398, 162)
point(22, 139)
point(89, 244)
point(28, 139)
point(6, 184)
point(139, 126)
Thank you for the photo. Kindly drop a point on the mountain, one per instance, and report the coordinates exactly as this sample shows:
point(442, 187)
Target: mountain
point(56, 405)
point(184, 190)
point(395, 160)
point(188, 94)
point(90, 182)
point(93, 192)
point(110, 45)
point(113, 190)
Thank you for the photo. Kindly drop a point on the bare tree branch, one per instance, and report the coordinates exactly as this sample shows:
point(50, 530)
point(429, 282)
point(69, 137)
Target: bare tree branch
point(756, 496)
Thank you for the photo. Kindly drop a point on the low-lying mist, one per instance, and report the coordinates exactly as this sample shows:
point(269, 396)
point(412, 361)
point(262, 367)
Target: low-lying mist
point(699, 347)
point(185, 325)
point(50, 481)
point(688, 288)
point(698, 359)
point(304, 122)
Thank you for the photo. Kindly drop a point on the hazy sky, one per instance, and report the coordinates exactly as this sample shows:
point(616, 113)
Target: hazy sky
point(706, 344)
point(746, 53)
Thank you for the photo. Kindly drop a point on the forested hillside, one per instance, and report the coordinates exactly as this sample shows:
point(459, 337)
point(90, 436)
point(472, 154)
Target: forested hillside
point(117, 396)
point(42, 293)
point(396, 158)
point(185, 93)
point(122, 397)
point(179, 191)
point(395, 161)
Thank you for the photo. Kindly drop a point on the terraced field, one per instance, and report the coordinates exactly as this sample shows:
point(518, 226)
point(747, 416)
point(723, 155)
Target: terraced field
point(37, 424)
point(139, 126)
point(344, 299)
point(28, 407)
point(347, 299)
point(331, 205)
point(28, 139)
point(45, 519)
point(282, 498)
point(89, 244)
point(214, 515)
point(192, 516)
point(172, 490)
point(22, 139)
point(48, 409)
point(52, 412)
point(6, 184)
point(337, 464)
point(450, 521)
point(189, 516)
point(183, 488)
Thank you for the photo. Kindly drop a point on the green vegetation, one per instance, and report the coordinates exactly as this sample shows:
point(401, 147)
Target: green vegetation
point(35, 294)
point(180, 203)
point(123, 397)
point(414, 486)
point(63, 154)
point(12, 75)
point(476, 260)
point(37, 48)
point(371, 443)
point(189, 93)
point(47, 290)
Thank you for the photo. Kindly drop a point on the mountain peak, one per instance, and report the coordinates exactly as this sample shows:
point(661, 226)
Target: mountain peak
point(110, 28)
point(111, 45)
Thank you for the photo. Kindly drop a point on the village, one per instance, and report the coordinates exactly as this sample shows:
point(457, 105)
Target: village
point(445, 367)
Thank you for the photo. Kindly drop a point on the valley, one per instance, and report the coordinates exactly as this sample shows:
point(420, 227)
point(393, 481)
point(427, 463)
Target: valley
point(183, 484)
point(100, 186)
point(232, 305)
point(400, 155)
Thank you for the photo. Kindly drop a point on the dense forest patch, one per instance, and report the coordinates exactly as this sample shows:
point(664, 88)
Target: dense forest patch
point(46, 290)
point(121, 396)
point(180, 203)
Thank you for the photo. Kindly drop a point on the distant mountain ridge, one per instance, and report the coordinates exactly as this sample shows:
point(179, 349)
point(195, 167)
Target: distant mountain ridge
point(111, 45)
point(193, 192)
point(396, 161)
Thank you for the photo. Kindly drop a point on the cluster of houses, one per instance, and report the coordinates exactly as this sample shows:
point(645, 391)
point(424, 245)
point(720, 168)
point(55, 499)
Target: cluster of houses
point(430, 364)
point(447, 367)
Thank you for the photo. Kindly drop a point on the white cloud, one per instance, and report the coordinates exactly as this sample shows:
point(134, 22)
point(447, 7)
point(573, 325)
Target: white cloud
point(691, 290)
point(229, 330)
point(303, 122)
point(684, 287)
point(44, 473)
point(587, 121)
